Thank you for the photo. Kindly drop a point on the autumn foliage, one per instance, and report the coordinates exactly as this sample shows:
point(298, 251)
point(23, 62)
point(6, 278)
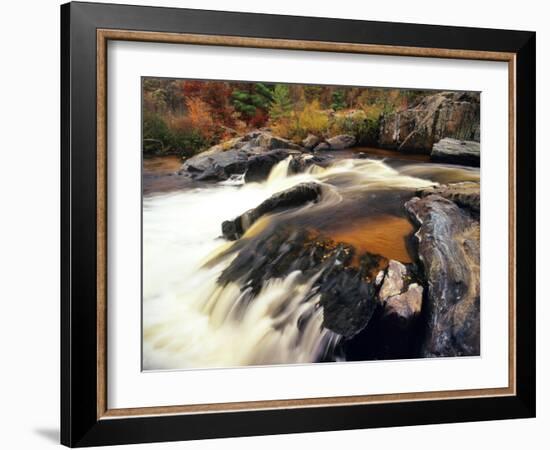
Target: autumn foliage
point(187, 116)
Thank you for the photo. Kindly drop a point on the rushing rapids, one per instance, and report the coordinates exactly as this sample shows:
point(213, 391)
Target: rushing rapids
point(206, 305)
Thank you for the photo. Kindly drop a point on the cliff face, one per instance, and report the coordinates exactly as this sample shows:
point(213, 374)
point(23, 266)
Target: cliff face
point(442, 115)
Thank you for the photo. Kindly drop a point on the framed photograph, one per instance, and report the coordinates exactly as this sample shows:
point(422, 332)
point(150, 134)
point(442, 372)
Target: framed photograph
point(276, 224)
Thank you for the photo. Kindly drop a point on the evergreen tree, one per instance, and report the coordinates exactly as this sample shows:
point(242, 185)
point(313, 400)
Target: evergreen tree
point(338, 100)
point(282, 103)
point(247, 101)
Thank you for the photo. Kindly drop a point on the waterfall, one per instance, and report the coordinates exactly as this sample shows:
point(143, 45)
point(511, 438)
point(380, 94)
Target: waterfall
point(191, 321)
point(280, 170)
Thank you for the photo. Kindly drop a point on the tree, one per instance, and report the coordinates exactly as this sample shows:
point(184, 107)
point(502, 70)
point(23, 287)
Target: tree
point(312, 92)
point(338, 100)
point(281, 105)
point(249, 98)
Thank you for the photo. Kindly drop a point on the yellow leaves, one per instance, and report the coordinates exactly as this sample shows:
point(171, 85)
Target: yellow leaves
point(311, 119)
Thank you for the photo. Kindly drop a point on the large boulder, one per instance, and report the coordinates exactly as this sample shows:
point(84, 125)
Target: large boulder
point(296, 196)
point(448, 249)
point(254, 153)
point(340, 142)
point(447, 114)
point(216, 166)
point(456, 151)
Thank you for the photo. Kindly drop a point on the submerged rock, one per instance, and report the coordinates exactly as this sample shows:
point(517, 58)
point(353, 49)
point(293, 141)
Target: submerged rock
point(442, 115)
point(290, 198)
point(448, 248)
point(456, 152)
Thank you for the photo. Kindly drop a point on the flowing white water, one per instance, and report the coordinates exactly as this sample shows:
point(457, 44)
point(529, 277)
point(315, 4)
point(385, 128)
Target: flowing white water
point(189, 321)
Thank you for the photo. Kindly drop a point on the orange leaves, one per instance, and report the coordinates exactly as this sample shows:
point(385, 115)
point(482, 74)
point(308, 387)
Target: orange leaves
point(199, 114)
point(216, 95)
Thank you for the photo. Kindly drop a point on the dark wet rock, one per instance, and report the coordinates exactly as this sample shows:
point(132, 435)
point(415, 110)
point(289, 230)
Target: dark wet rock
point(310, 141)
point(347, 301)
point(290, 198)
point(465, 194)
point(301, 162)
point(455, 151)
point(442, 115)
point(345, 290)
point(258, 149)
point(448, 248)
point(218, 166)
point(259, 166)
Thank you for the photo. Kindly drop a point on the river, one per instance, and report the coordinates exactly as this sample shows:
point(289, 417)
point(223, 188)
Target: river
point(191, 321)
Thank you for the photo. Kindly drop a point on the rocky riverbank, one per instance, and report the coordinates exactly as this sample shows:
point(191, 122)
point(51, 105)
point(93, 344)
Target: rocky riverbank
point(443, 125)
point(255, 154)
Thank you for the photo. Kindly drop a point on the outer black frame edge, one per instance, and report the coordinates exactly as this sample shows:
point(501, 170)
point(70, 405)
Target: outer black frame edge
point(79, 426)
point(65, 227)
point(526, 223)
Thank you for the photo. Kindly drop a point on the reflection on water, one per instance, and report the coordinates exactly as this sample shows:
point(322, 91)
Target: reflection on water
point(160, 174)
point(382, 235)
point(161, 165)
